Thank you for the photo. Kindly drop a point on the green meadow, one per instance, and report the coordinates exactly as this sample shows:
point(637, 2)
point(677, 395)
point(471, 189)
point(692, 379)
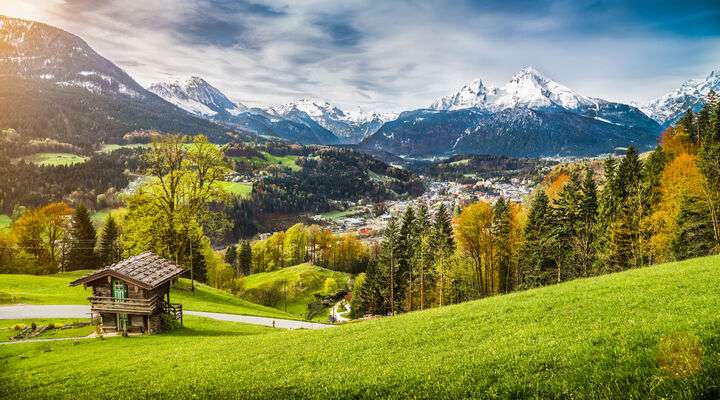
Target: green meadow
point(54, 289)
point(5, 221)
point(641, 334)
point(55, 159)
point(297, 286)
point(240, 189)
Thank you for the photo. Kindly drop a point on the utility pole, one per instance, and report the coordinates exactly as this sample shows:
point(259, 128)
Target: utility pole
point(192, 271)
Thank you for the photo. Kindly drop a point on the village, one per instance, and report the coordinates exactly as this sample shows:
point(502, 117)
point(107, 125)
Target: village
point(368, 221)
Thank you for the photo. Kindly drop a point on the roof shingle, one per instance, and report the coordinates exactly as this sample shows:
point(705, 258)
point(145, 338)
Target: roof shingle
point(147, 269)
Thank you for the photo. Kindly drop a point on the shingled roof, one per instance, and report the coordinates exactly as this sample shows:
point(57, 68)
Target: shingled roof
point(147, 270)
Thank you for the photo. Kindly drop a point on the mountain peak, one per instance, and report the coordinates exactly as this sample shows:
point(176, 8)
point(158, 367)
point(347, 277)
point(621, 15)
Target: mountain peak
point(667, 108)
point(528, 88)
point(197, 96)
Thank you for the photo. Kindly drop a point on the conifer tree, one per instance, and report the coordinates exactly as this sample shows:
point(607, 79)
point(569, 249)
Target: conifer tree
point(407, 243)
point(584, 230)
point(694, 235)
point(442, 231)
point(501, 226)
point(535, 261)
point(109, 248)
point(231, 257)
point(709, 164)
point(82, 242)
point(244, 258)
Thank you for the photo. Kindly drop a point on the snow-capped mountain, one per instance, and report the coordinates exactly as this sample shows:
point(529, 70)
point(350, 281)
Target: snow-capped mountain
point(528, 88)
point(667, 109)
point(57, 86)
point(531, 115)
point(351, 126)
point(197, 96)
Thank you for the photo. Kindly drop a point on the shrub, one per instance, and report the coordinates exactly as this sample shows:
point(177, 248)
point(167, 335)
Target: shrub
point(19, 327)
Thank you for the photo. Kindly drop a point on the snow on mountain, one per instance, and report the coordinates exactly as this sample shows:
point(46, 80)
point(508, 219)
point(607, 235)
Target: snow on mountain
point(690, 95)
point(40, 52)
point(351, 126)
point(197, 96)
point(528, 88)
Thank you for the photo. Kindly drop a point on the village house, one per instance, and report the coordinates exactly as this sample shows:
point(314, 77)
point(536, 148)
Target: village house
point(133, 295)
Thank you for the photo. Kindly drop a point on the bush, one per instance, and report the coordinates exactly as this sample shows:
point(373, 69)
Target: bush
point(169, 322)
point(19, 327)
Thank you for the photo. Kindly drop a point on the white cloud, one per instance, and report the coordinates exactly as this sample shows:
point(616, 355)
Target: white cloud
point(384, 55)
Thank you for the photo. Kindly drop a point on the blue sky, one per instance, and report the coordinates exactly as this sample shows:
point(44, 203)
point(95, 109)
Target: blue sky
point(395, 55)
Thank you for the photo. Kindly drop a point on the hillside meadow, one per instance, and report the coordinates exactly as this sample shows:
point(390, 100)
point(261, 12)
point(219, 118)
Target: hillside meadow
point(55, 289)
point(645, 333)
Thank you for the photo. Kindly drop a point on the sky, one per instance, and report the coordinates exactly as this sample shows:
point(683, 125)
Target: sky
point(394, 55)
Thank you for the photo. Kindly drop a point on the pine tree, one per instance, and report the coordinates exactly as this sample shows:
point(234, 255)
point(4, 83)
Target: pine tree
point(564, 217)
point(535, 261)
point(584, 230)
point(108, 248)
point(442, 231)
point(501, 226)
point(82, 244)
point(231, 257)
point(688, 123)
point(389, 266)
point(709, 164)
point(694, 235)
point(407, 244)
point(244, 258)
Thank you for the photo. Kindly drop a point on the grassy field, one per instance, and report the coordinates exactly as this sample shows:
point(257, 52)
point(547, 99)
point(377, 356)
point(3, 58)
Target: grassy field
point(109, 148)
point(303, 281)
point(5, 222)
point(55, 159)
point(237, 188)
point(335, 215)
point(645, 333)
point(269, 159)
point(7, 328)
point(54, 289)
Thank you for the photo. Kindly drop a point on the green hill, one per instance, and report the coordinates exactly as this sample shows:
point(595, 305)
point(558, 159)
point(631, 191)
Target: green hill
point(645, 333)
point(292, 288)
point(54, 289)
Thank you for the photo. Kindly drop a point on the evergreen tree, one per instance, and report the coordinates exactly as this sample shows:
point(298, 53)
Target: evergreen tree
point(231, 257)
point(388, 268)
point(709, 164)
point(564, 219)
point(244, 258)
point(407, 244)
point(688, 122)
point(585, 231)
point(442, 231)
point(501, 225)
point(535, 262)
point(694, 235)
point(82, 242)
point(109, 248)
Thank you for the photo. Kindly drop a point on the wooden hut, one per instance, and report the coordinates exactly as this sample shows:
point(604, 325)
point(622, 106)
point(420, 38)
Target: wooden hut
point(133, 294)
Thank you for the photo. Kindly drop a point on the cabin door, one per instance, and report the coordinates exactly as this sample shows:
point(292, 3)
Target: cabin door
point(119, 293)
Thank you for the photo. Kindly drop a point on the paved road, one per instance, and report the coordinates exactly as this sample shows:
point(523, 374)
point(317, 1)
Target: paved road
point(23, 311)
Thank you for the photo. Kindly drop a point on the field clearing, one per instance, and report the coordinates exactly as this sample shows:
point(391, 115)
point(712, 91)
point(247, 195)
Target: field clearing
point(109, 148)
point(645, 333)
point(269, 159)
point(55, 159)
point(335, 215)
point(54, 289)
point(240, 189)
point(300, 283)
point(5, 222)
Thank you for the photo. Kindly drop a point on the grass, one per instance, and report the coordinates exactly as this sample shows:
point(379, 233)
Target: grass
point(240, 189)
point(54, 289)
point(5, 222)
point(336, 215)
point(56, 159)
point(645, 333)
point(7, 328)
point(303, 282)
point(268, 159)
point(109, 148)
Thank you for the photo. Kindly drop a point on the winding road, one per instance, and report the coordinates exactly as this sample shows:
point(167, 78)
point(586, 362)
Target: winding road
point(24, 311)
